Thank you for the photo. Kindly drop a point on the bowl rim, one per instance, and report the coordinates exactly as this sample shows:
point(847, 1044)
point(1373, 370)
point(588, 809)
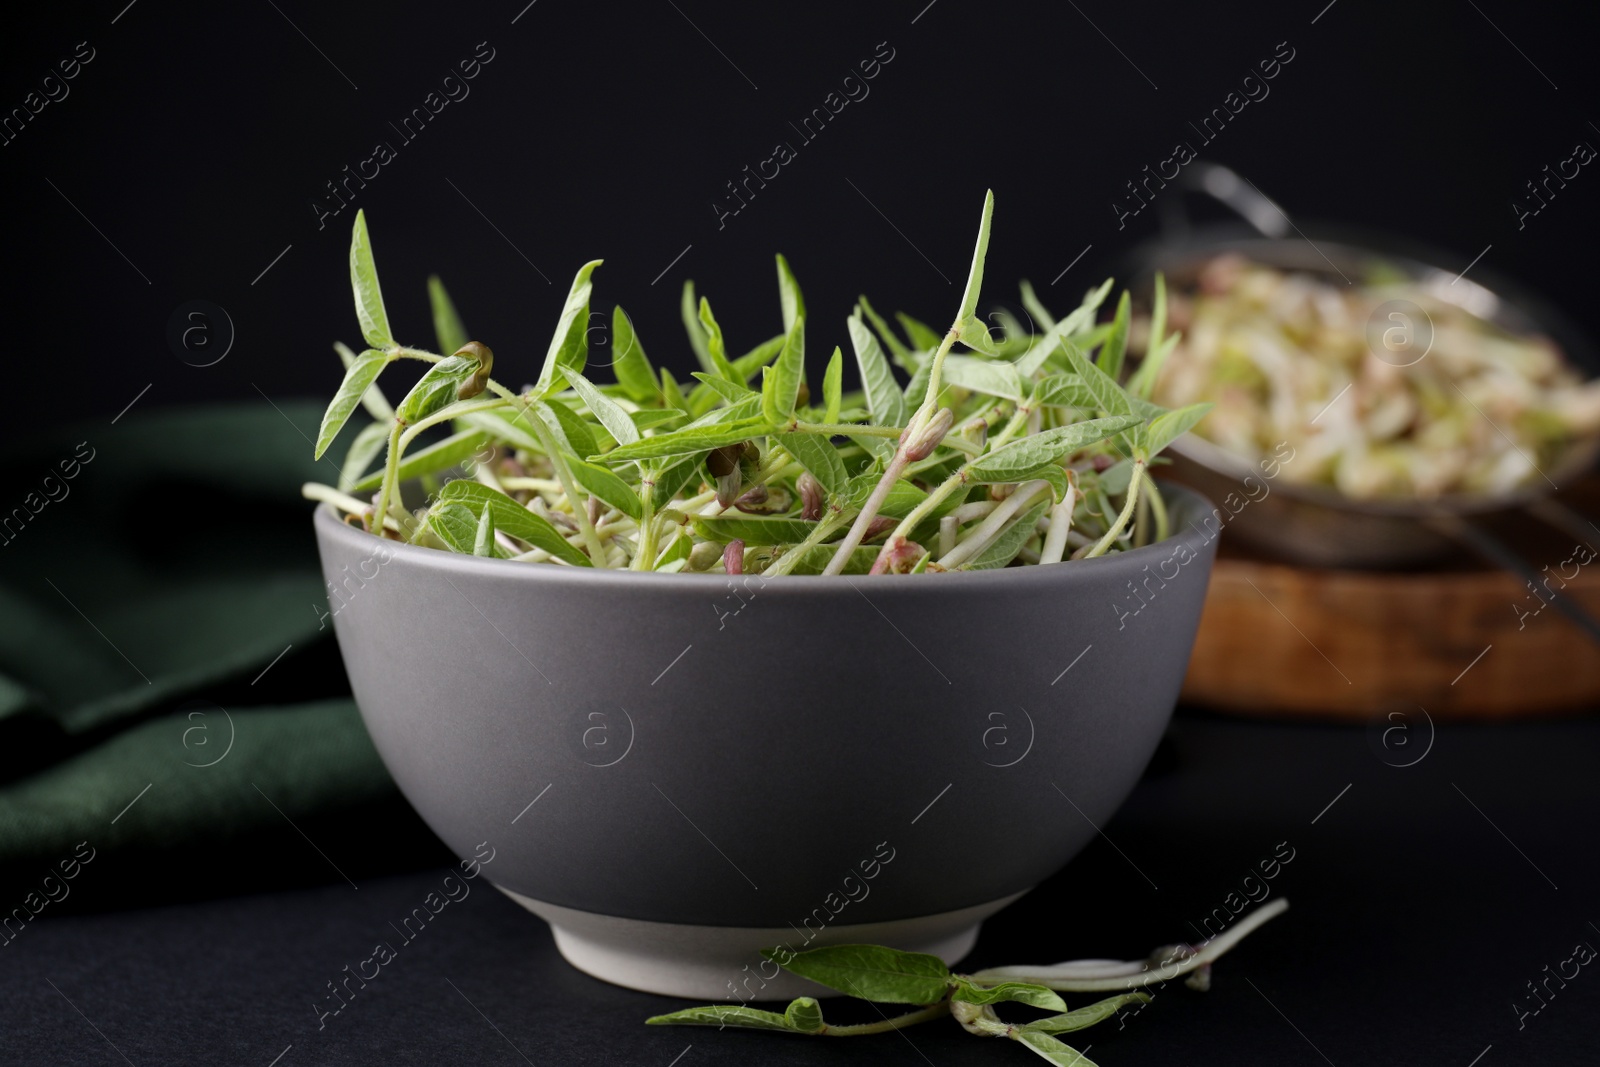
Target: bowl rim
point(1187, 504)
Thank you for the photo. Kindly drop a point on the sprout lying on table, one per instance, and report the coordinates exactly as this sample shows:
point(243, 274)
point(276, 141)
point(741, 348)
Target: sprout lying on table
point(886, 976)
point(1019, 449)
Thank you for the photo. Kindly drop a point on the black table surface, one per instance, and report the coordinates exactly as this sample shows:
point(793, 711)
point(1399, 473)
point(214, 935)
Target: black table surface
point(1425, 900)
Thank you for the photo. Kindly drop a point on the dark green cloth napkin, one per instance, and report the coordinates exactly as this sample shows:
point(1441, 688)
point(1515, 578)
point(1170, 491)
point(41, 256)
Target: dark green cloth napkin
point(160, 628)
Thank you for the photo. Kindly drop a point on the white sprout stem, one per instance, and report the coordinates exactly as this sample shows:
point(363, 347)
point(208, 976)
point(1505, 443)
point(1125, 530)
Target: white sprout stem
point(391, 470)
point(991, 527)
point(538, 485)
point(975, 509)
point(1127, 512)
point(343, 501)
point(930, 400)
point(1094, 976)
point(1158, 506)
point(445, 414)
point(869, 511)
point(644, 548)
point(1055, 542)
point(896, 467)
point(415, 353)
point(949, 485)
point(949, 526)
point(400, 438)
point(612, 527)
point(485, 476)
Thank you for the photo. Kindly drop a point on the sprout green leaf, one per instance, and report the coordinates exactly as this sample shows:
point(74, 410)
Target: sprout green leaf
point(373, 399)
point(601, 482)
point(833, 386)
point(794, 305)
point(629, 363)
point(871, 972)
point(689, 311)
point(455, 525)
point(690, 439)
point(819, 457)
point(436, 389)
point(511, 519)
point(1024, 454)
point(1108, 395)
point(803, 1016)
point(1063, 390)
point(1115, 346)
point(1036, 996)
point(358, 377)
point(727, 390)
point(716, 361)
point(969, 298)
point(483, 544)
point(781, 381)
point(751, 529)
point(984, 376)
point(366, 447)
point(608, 412)
point(896, 347)
point(569, 348)
point(1057, 1052)
point(923, 337)
point(446, 322)
point(364, 280)
point(571, 432)
point(1169, 426)
point(884, 400)
point(1030, 301)
point(1088, 1015)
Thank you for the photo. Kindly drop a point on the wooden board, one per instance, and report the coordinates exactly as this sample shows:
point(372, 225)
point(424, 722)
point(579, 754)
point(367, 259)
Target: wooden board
point(1279, 640)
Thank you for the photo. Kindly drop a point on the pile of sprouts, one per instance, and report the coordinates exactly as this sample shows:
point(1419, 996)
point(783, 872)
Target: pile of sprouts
point(1005, 447)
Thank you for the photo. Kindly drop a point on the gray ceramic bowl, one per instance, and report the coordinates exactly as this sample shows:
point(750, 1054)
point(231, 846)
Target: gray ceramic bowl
point(676, 770)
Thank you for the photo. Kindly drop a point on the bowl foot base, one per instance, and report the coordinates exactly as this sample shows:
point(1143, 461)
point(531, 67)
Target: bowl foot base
point(724, 963)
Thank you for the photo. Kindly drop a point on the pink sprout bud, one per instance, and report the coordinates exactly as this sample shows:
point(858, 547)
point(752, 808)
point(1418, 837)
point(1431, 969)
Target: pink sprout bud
point(728, 486)
point(811, 496)
point(921, 446)
point(899, 557)
point(480, 376)
point(879, 526)
point(733, 557)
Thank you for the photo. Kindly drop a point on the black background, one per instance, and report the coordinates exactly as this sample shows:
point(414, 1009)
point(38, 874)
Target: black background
point(199, 136)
